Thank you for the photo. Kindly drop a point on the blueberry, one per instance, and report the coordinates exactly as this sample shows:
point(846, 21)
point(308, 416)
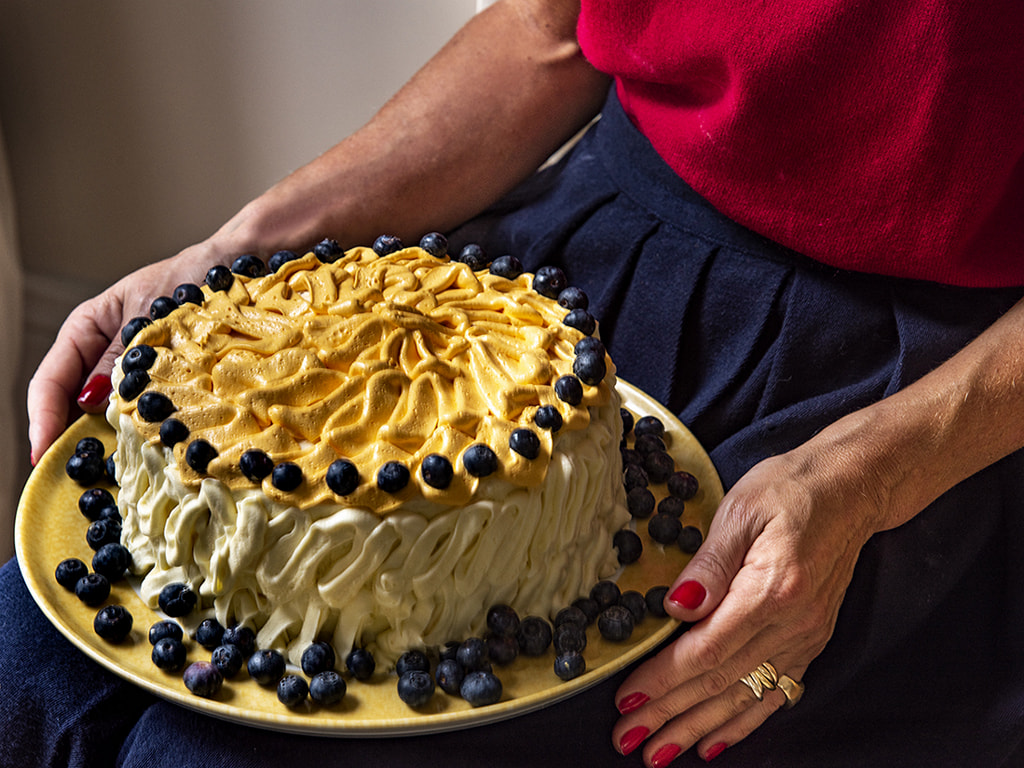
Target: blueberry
point(139, 358)
point(110, 469)
point(683, 485)
point(410, 661)
point(415, 687)
point(449, 650)
point(663, 528)
point(646, 444)
point(480, 689)
point(574, 298)
point(502, 649)
point(635, 603)
point(177, 599)
point(548, 417)
point(570, 665)
point(506, 266)
point(113, 623)
point(472, 654)
point(209, 634)
point(690, 538)
point(155, 407)
point(342, 477)
point(360, 663)
point(569, 637)
point(228, 660)
point(571, 614)
point(534, 636)
point(173, 432)
point(627, 419)
point(292, 690)
point(219, 278)
point(589, 607)
point(249, 266)
point(111, 560)
point(590, 368)
point(286, 476)
point(659, 466)
point(634, 476)
point(479, 460)
point(581, 320)
point(435, 244)
point(111, 513)
point(199, 454)
point(640, 502)
point(169, 654)
point(69, 571)
point(133, 384)
point(93, 500)
point(162, 306)
point(449, 676)
point(165, 629)
point(203, 679)
point(502, 620)
point(569, 390)
point(255, 465)
point(85, 468)
point(241, 637)
point(188, 293)
point(655, 599)
point(628, 545)
point(605, 593)
point(385, 245)
point(615, 623)
point(392, 477)
point(266, 666)
point(671, 505)
point(437, 471)
point(590, 344)
point(474, 257)
point(550, 281)
point(92, 589)
point(327, 250)
point(525, 442)
point(327, 688)
point(132, 328)
point(280, 258)
point(102, 531)
point(318, 657)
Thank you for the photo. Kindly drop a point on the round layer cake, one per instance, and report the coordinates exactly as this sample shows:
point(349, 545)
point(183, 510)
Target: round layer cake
point(369, 450)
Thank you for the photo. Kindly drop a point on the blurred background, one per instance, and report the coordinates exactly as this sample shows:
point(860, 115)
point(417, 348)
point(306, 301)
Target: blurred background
point(132, 128)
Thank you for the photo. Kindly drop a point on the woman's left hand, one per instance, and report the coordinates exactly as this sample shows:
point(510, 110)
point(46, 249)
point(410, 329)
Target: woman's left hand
point(766, 585)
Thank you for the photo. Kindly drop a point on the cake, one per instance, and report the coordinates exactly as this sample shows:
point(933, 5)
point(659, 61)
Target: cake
point(368, 448)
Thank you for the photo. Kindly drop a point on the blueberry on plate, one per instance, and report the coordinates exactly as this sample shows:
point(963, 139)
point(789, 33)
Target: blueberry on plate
point(628, 545)
point(683, 485)
point(414, 660)
point(435, 244)
point(327, 688)
point(177, 599)
point(69, 571)
point(286, 476)
point(342, 477)
point(570, 665)
point(649, 425)
point(663, 528)
point(219, 278)
point(690, 538)
point(292, 690)
point(502, 649)
point(640, 502)
point(615, 623)
point(571, 614)
point(627, 417)
point(671, 505)
point(318, 657)
point(507, 266)
point(92, 501)
point(154, 407)
point(266, 666)
point(534, 636)
point(385, 245)
point(589, 607)
point(449, 676)
point(203, 679)
point(480, 689)
point(101, 532)
point(89, 445)
point(92, 589)
point(228, 660)
point(249, 266)
point(360, 663)
point(169, 654)
point(502, 620)
point(113, 623)
point(437, 471)
point(188, 293)
point(327, 250)
point(633, 476)
point(85, 468)
point(111, 560)
point(165, 628)
point(655, 599)
point(415, 687)
point(605, 593)
point(550, 281)
point(569, 637)
point(479, 460)
point(392, 477)
point(659, 466)
point(241, 637)
point(210, 634)
point(472, 654)
point(635, 603)
point(132, 328)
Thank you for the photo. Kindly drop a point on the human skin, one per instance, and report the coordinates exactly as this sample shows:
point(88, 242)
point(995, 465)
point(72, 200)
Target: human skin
point(770, 577)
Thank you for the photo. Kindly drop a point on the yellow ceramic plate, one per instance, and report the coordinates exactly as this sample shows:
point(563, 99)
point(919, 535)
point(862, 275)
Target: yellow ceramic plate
point(50, 528)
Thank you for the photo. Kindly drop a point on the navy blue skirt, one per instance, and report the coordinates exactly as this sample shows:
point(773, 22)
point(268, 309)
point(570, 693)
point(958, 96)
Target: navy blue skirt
point(755, 348)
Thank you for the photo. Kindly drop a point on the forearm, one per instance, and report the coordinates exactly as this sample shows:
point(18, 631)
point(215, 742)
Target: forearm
point(484, 113)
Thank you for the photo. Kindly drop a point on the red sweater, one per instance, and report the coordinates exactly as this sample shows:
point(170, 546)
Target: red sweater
point(883, 137)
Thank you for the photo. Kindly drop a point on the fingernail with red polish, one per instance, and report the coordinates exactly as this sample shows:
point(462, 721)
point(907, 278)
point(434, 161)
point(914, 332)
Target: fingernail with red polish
point(665, 755)
point(632, 701)
point(633, 739)
point(714, 751)
point(690, 594)
point(95, 392)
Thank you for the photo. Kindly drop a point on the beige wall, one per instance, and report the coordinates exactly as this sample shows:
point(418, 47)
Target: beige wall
point(135, 127)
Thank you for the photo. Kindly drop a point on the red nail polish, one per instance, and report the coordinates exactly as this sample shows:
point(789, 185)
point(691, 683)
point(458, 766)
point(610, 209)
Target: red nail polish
point(665, 755)
point(633, 701)
point(633, 739)
point(95, 392)
point(690, 594)
point(714, 751)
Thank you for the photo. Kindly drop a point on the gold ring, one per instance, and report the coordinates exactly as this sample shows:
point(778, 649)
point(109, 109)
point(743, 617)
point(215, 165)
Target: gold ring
point(792, 689)
point(764, 678)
